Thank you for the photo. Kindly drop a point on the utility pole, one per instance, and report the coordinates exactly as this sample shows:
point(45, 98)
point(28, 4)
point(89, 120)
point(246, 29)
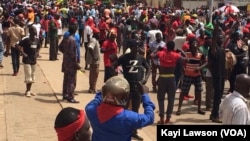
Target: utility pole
point(210, 4)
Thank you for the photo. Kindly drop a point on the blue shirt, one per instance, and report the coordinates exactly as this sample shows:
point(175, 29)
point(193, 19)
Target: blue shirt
point(77, 38)
point(120, 126)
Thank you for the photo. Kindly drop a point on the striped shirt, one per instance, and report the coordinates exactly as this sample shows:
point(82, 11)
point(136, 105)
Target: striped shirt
point(192, 63)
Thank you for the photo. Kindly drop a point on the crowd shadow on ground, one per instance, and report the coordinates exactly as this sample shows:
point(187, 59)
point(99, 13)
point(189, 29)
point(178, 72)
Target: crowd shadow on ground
point(41, 97)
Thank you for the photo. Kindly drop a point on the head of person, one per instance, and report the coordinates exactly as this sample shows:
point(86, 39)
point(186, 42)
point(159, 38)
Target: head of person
point(96, 33)
point(133, 44)
point(135, 35)
point(115, 91)
point(170, 45)
point(32, 31)
point(158, 37)
point(179, 32)
point(72, 125)
point(193, 44)
point(235, 36)
point(242, 84)
point(112, 35)
point(73, 28)
point(208, 41)
point(220, 39)
point(16, 21)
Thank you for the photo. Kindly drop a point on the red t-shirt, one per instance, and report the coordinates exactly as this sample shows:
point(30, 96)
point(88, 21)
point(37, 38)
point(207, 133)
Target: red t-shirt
point(185, 46)
point(168, 59)
point(103, 28)
point(106, 55)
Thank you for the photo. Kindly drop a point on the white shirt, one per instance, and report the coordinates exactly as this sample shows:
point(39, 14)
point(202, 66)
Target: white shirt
point(179, 41)
point(38, 28)
point(234, 110)
point(87, 31)
point(60, 30)
point(151, 34)
point(154, 47)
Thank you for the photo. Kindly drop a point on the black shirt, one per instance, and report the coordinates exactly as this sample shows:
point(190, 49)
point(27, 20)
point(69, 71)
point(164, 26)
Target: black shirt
point(133, 67)
point(30, 48)
point(237, 51)
point(217, 62)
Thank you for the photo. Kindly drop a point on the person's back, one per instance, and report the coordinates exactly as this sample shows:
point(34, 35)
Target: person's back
point(107, 127)
point(108, 117)
point(232, 104)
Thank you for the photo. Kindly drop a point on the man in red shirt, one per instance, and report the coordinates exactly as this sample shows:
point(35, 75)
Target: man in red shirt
point(109, 50)
point(168, 59)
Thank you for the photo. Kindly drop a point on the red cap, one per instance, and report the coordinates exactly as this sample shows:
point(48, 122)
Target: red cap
point(185, 46)
point(190, 36)
point(192, 21)
point(73, 21)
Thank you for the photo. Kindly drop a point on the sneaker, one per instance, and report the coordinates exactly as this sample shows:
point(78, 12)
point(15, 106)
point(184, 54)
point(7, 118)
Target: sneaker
point(72, 101)
point(135, 136)
point(28, 94)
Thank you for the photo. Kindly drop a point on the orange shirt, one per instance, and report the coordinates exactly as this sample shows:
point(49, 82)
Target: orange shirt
point(185, 18)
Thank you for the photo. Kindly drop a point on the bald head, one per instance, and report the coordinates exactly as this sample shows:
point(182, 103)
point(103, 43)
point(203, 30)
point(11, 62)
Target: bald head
point(242, 84)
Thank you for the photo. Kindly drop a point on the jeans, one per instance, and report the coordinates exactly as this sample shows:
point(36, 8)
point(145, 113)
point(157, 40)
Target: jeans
point(1, 51)
point(218, 83)
point(178, 72)
point(154, 72)
point(109, 72)
point(134, 99)
point(166, 85)
point(15, 56)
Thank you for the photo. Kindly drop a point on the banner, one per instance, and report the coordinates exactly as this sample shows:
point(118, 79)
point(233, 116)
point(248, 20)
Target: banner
point(203, 132)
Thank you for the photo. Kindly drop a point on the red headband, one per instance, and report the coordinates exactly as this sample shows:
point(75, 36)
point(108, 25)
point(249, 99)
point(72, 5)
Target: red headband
point(67, 133)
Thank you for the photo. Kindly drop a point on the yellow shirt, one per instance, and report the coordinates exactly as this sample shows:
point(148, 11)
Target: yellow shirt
point(185, 18)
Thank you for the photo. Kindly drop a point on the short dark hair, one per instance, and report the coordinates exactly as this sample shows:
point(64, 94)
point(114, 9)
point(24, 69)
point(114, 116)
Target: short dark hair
point(170, 45)
point(66, 116)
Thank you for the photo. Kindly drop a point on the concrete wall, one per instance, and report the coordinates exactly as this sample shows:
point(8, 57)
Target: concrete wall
point(193, 4)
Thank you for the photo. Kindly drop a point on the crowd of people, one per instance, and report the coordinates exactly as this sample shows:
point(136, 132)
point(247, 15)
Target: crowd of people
point(186, 47)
